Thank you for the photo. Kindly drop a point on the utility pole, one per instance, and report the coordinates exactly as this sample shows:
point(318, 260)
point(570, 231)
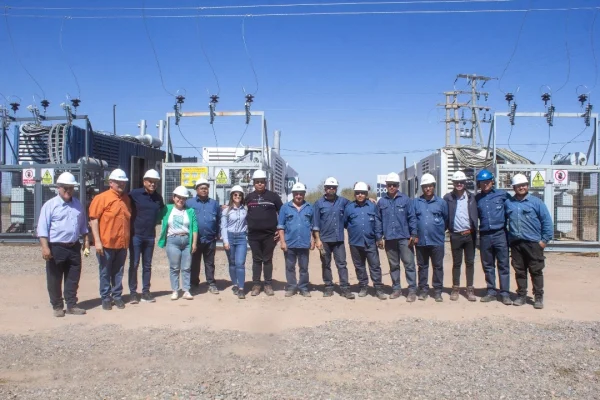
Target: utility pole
point(470, 100)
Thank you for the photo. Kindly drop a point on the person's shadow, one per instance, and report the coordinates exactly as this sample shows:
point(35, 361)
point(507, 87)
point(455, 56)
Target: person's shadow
point(97, 302)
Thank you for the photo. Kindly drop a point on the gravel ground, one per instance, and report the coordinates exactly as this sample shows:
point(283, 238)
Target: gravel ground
point(411, 358)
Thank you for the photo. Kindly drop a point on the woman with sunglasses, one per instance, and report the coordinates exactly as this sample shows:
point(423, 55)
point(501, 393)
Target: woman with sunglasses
point(178, 234)
point(233, 233)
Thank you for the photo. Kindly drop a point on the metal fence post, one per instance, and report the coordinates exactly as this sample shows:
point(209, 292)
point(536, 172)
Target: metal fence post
point(549, 192)
point(37, 198)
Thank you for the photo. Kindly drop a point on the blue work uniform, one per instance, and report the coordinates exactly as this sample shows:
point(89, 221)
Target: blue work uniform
point(296, 224)
point(208, 218)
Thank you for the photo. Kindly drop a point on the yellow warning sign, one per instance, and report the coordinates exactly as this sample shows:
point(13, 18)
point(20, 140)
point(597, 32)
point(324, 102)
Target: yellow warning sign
point(538, 180)
point(190, 175)
point(47, 176)
point(222, 177)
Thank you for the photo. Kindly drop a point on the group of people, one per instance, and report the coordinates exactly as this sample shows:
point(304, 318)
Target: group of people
point(191, 226)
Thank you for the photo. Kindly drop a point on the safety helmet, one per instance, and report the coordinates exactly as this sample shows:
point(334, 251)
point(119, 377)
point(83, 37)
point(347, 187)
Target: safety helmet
point(331, 181)
point(427, 179)
point(66, 178)
point(361, 187)
point(152, 174)
point(459, 176)
point(298, 187)
point(237, 188)
point(118, 175)
point(259, 174)
point(202, 181)
point(484, 175)
point(181, 191)
point(392, 177)
point(519, 179)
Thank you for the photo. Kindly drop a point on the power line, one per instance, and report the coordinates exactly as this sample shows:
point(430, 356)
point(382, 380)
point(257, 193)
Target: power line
point(547, 146)
point(571, 141)
point(188, 142)
point(62, 25)
point(593, 49)
point(201, 42)
point(515, 48)
point(568, 52)
point(248, 55)
point(162, 82)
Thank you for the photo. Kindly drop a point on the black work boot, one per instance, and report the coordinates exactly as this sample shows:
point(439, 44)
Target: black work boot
point(362, 292)
point(538, 302)
point(379, 293)
point(423, 295)
point(395, 294)
point(506, 300)
point(520, 300)
point(487, 298)
point(437, 296)
point(455, 293)
point(412, 296)
point(328, 292)
point(346, 293)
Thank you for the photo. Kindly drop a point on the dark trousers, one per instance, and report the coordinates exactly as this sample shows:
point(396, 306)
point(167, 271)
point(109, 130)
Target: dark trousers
point(462, 244)
point(262, 258)
point(65, 265)
point(528, 257)
point(494, 249)
point(369, 254)
point(398, 250)
point(206, 251)
point(293, 256)
point(339, 255)
point(436, 254)
point(140, 248)
point(112, 265)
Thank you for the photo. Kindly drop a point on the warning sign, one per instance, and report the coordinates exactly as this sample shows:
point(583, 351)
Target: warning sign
point(47, 176)
point(222, 177)
point(190, 175)
point(29, 176)
point(538, 179)
point(561, 177)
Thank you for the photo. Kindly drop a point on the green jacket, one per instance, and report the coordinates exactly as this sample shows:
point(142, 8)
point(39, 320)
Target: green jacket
point(164, 216)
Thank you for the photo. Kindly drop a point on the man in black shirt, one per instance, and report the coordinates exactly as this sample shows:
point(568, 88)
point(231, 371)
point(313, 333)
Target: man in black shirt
point(263, 208)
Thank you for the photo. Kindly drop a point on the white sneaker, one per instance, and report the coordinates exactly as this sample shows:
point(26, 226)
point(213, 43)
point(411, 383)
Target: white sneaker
point(188, 296)
point(175, 295)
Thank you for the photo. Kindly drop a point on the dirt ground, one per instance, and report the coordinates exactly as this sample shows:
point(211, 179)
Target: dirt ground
point(570, 284)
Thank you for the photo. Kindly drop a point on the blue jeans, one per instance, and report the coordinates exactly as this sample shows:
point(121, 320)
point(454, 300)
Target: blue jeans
point(291, 257)
point(339, 255)
point(112, 265)
point(493, 247)
point(370, 254)
point(236, 255)
point(143, 248)
point(179, 254)
point(397, 250)
point(436, 254)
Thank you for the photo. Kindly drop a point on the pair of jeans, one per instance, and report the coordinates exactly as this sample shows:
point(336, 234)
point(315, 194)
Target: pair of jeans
point(339, 255)
point(494, 249)
point(436, 254)
point(236, 256)
point(112, 266)
point(206, 251)
point(462, 244)
point(262, 258)
point(528, 257)
point(179, 255)
point(65, 265)
point(398, 250)
point(140, 247)
point(370, 254)
point(293, 256)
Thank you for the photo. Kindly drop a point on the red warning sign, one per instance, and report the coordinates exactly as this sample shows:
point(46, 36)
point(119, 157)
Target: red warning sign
point(561, 177)
point(29, 176)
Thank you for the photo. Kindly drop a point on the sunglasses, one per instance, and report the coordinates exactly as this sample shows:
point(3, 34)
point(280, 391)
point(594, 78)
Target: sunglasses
point(330, 187)
point(459, 182)
point(260, 182)
point(237, 195)
point(180, 198)
point(360, 193)
point(392, 184)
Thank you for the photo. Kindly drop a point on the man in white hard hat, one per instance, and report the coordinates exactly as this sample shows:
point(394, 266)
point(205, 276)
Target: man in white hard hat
point(146, 205)
point(328, 230)
point(364, 232)
point(263, 208)
point(400, 233)
point(110, 219)
point(462, 224)
point(208, 218)
point(432, 219)
point(530, 228)
point(295, 225)
point(62, 221)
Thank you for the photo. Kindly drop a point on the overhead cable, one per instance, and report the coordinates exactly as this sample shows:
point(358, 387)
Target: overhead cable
point(60, 41)
point(162, 81)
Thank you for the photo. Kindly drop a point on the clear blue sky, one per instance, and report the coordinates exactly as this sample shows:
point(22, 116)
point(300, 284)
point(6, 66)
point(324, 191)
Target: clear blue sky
point(340, 83)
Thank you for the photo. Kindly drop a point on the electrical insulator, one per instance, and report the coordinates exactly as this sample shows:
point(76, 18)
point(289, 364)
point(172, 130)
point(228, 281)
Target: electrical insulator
point(582, 99)
point(546, 98)
point(45, 103)
point(15, 107)
point(249, 100)
point(511, 115)
point(75, 102)
point(588, 114)
point(509, 97)
point(550, 115)
point(214, 99)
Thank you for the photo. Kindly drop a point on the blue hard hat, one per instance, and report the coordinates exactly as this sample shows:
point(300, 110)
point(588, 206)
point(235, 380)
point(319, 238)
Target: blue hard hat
point(484, 175)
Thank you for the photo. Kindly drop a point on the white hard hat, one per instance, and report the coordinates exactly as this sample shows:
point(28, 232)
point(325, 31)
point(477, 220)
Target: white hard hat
point(118, 175)
point(152, 174)
point(361, 187)
point(392, 177)
point(259, 174)
point(237, 188)
point(66, 178)
point(459, 176)
point(427, 179)
point(331, 181)
point(202, 181)
point(181, 191)
point(519, 179)
point(298, 187)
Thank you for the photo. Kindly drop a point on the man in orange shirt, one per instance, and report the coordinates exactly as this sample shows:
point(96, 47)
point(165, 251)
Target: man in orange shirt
point(110, 214)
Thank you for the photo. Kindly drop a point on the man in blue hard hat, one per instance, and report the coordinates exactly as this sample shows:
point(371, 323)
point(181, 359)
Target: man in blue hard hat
point(492, 237)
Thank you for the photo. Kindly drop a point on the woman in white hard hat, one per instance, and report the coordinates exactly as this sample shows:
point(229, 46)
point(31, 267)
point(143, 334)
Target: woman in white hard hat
point(178, 234)
point(233, 232)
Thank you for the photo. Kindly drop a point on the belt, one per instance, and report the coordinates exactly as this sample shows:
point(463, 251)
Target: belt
point(465, 233)
point(70, 244)
point(179, 234)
